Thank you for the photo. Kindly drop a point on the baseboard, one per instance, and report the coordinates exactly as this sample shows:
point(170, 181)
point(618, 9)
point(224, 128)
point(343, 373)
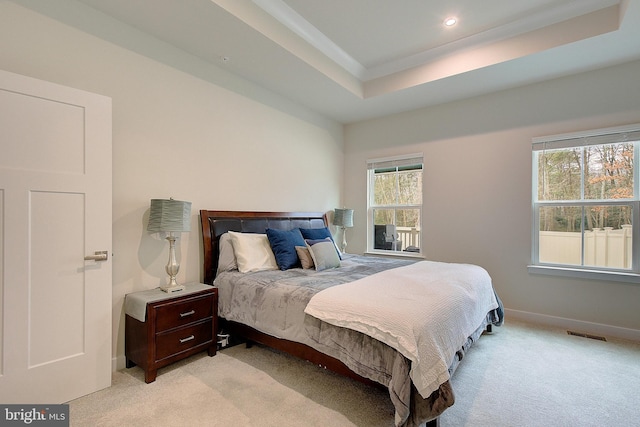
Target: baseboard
point(118, 363)
point(574, 325)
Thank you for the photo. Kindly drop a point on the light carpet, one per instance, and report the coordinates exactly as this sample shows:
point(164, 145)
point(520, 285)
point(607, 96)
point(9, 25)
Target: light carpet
point(521, 375)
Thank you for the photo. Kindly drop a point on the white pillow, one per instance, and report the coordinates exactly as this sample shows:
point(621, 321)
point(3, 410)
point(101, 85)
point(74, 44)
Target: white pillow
point(253, 252)
point(226, 258)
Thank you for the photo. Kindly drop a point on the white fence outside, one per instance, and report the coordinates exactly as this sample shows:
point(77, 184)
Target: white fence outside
point(409, 236)
point(603, 247)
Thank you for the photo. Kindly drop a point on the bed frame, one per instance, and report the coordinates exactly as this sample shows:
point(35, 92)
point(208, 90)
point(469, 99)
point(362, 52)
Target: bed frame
point(214, 224)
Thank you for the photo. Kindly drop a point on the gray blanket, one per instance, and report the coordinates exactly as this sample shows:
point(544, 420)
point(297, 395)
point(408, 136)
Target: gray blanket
point(273, 302)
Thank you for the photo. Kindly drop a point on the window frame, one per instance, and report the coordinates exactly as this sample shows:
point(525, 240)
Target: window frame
point(381, 163)
point(630, 133)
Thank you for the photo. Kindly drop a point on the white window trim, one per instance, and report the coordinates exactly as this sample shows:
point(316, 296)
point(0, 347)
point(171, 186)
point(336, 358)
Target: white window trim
point(567, 140)
point(400, 160)
point(584, 273)
point(394, 254)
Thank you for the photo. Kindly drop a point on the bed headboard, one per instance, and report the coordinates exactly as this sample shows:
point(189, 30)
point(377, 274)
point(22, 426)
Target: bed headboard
point(215, 223)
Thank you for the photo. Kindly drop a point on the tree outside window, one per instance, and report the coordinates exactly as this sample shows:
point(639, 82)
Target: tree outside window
point(586, 200)
point(395, 204)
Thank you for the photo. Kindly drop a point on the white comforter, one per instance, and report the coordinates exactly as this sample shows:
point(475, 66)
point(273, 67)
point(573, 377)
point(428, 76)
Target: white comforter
point(425, 310)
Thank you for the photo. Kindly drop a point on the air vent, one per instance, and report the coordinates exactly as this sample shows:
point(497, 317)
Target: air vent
point(580, 334)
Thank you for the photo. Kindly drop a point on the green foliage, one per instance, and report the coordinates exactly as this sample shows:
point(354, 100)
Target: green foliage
point(397, 191)
point(595, 172)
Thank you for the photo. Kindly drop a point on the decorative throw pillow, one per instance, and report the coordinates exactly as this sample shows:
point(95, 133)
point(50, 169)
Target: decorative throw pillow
point(324, 253)
point(319, 233)
point(305, 257)
point(253, 252)
point(283, 244)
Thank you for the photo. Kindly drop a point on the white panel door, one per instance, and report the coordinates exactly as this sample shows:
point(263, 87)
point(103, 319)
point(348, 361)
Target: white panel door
point(55, 208)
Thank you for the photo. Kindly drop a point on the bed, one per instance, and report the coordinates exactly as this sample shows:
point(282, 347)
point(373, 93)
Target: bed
point(320, 316)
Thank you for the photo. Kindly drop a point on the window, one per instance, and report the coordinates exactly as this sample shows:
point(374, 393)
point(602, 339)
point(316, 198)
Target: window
point(586, 203)
point(395, 204)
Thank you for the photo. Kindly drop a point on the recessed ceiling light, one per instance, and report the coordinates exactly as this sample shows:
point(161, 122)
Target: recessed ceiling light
point(451, 21)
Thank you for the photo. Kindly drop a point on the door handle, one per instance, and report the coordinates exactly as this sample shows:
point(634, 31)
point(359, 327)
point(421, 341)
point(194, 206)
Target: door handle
point(98, 256)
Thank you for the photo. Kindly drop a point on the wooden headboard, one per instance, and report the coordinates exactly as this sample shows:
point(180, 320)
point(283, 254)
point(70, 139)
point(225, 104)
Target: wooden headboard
point(215, 223)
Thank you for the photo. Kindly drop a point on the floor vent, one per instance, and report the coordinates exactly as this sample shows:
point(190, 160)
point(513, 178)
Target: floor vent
point(593, 337)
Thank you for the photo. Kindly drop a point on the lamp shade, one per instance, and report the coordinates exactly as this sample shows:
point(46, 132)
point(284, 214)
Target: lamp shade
point(343, 217)
point(169, 215)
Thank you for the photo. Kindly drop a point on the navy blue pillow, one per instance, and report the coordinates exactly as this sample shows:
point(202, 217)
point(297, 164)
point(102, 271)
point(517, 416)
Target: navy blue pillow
point(315, 233)
point(283, 244)
point(318, 234)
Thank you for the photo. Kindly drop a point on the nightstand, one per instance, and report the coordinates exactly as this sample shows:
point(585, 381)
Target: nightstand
point(162, 328)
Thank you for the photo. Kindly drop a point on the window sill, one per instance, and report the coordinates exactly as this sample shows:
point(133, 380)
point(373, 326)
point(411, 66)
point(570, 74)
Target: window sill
point(395, 254)
point(615, 276)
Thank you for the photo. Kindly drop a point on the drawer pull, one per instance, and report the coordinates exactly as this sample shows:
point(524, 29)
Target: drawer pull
point(189, 338)
point(188, 313)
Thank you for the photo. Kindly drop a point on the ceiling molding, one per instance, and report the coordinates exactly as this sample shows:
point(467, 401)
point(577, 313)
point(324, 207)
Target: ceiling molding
point(532, 22)
point(281, 58)
point(483, 55)
point(264, 23)
point(303, 28)
point(288, 17)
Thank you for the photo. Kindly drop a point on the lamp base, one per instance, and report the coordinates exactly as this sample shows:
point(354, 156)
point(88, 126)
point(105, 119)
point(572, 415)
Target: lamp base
point(172, 268)
point(344, 240)
point(170, 289)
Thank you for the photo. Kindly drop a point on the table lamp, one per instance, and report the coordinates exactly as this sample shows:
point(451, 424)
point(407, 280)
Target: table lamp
point(170, 216)
point(343, 218)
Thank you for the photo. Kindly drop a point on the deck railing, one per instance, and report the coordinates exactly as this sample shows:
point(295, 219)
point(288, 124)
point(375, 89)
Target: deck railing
point(409, 236)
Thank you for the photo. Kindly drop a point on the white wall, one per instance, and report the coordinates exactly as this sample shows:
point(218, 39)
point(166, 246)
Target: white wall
point(177, 136)
point(477, 185)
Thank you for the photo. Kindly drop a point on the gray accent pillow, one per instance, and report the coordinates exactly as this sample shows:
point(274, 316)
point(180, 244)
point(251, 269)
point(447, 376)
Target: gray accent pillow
point(324, 254)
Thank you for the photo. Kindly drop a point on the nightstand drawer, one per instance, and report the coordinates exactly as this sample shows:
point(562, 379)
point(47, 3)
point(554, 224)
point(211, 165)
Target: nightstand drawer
point(176, 341)
point(174, 314)
point(162, 328)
